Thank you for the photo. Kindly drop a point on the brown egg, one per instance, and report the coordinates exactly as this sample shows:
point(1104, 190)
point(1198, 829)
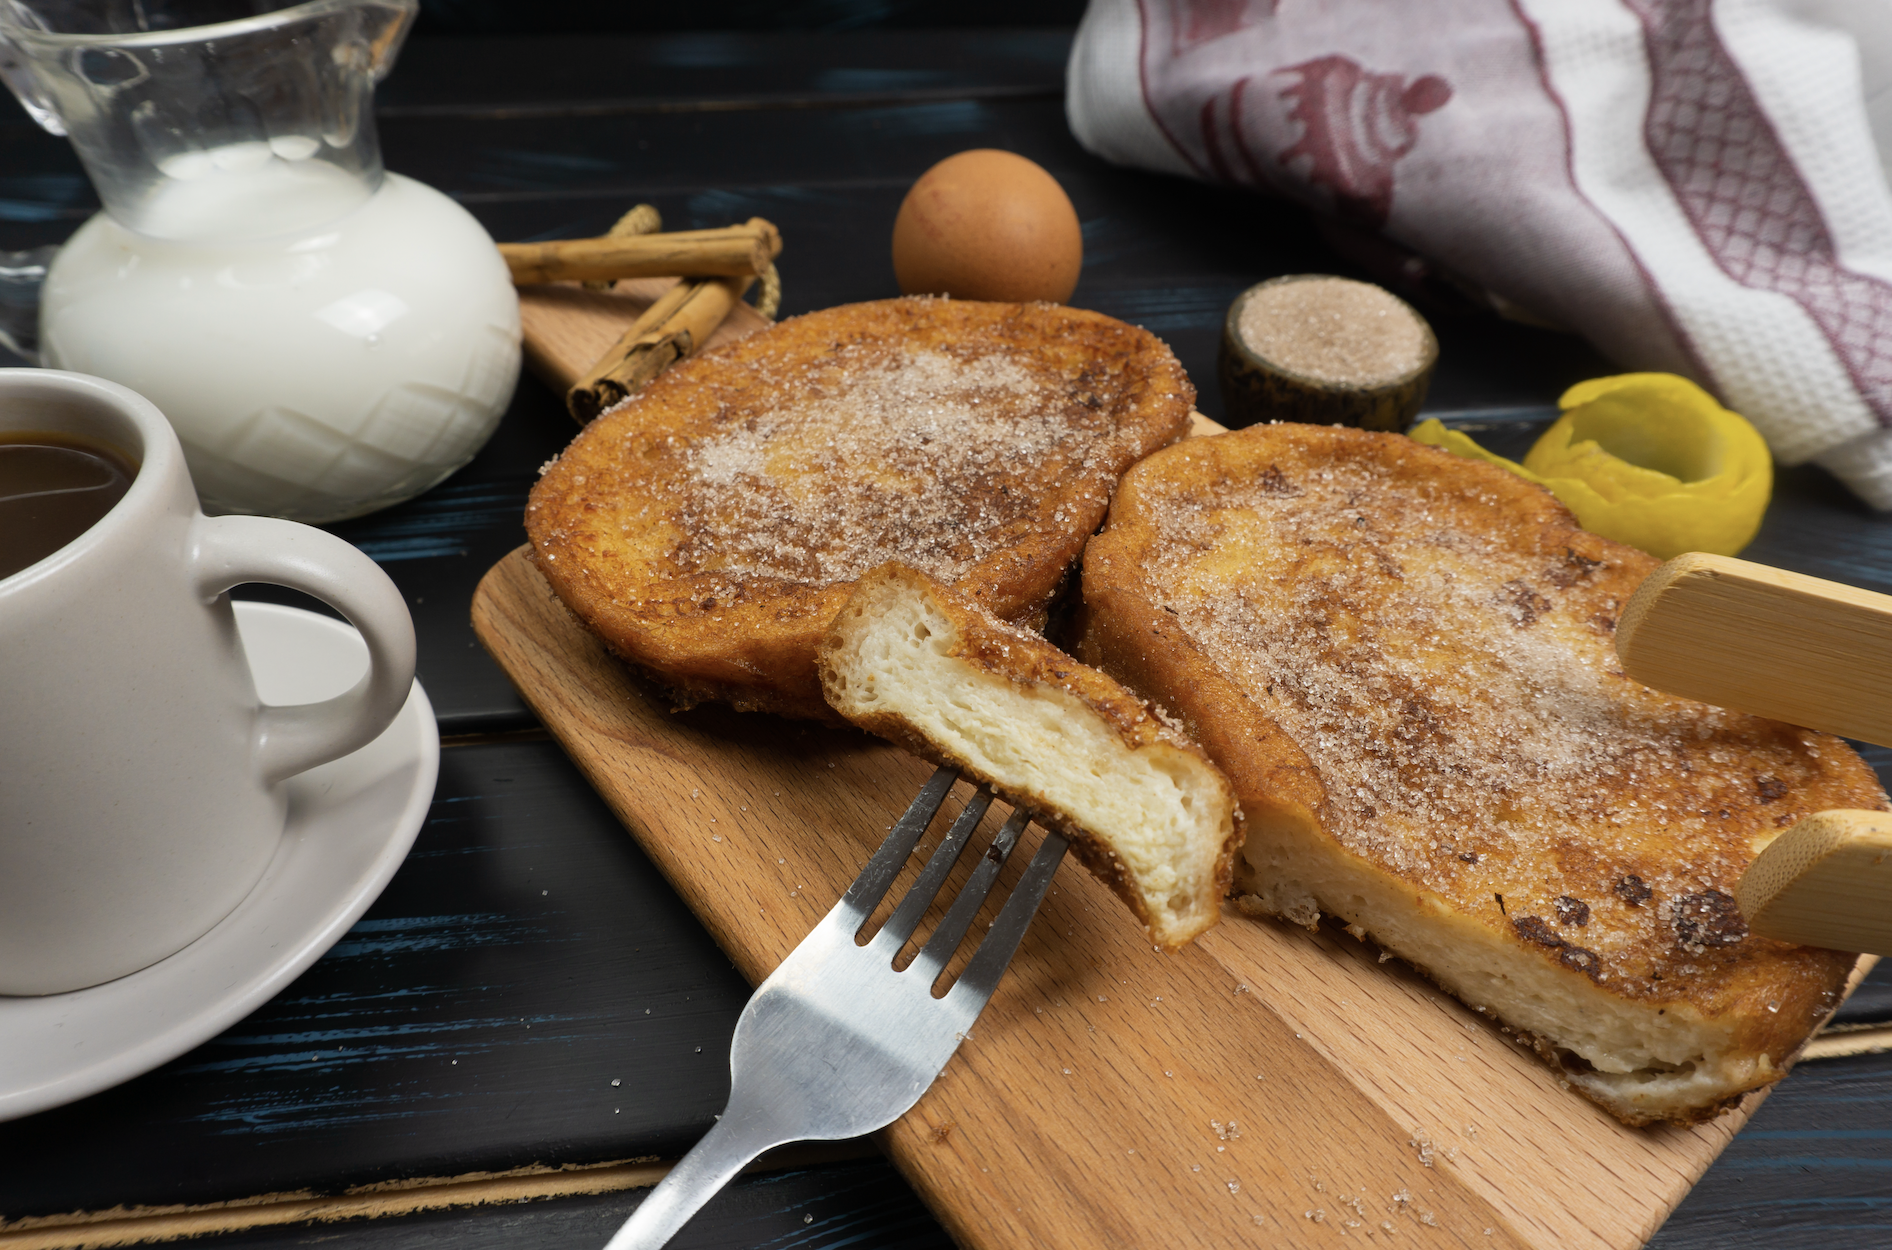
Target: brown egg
point(988, 225)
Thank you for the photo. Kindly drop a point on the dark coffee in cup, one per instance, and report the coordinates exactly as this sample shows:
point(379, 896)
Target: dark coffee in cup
point(53, 488)
point(144, 785)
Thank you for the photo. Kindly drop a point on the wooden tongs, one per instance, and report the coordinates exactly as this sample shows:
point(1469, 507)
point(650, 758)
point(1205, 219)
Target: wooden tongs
point(1797, 649)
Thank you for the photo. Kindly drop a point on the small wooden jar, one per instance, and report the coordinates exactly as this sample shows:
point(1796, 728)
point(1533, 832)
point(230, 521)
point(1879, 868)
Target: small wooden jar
point(1324, 350)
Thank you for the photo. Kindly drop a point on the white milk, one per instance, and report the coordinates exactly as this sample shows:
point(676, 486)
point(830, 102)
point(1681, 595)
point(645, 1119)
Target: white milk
point(244, 191)
point(317, 373)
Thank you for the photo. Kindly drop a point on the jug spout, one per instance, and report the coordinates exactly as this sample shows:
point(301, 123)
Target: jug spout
point(193, 127)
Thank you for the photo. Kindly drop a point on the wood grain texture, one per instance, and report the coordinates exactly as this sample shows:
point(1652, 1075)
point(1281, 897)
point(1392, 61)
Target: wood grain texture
point(97, 1230)
point(1764, 640)
point(851, 1204)
point(1082, 1110)
point(567, 328)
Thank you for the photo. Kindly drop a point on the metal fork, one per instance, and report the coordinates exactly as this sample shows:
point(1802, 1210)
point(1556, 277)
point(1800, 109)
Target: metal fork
point(836, 1043)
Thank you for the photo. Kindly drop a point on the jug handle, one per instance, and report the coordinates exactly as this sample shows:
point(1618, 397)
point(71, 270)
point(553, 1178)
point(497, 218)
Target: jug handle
point(21, 276)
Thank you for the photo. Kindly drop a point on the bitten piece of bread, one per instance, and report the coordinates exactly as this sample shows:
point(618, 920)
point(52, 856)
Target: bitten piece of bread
point(710, 528)
point(1145, 810)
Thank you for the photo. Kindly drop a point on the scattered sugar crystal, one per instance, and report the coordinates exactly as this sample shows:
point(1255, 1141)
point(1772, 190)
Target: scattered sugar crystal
point(1478, 713)
point(880, 455)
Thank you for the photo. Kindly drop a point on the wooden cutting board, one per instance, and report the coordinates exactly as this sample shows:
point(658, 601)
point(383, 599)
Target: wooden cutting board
point(568, 328)
point(1266, 1085)
point(1351, 1096)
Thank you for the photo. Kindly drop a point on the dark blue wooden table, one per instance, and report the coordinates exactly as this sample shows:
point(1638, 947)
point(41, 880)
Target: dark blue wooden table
point(528, 995)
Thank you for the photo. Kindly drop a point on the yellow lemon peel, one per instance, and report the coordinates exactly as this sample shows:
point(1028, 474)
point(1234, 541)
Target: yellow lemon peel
point(1648, 459)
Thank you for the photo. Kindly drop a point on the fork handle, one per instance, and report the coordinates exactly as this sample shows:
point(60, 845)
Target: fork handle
point(730, 1145)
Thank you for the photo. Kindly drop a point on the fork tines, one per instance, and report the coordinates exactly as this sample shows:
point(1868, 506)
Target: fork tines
point(981, 975)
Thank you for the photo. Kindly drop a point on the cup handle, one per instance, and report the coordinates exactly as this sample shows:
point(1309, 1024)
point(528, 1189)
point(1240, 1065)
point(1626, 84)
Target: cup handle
point(229, 550)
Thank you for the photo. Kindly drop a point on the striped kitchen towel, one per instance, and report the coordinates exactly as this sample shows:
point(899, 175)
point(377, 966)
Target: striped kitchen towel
point(1697, 186)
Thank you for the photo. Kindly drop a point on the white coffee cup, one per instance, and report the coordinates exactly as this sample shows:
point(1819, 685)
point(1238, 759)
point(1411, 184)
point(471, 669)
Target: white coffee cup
point(141, 780)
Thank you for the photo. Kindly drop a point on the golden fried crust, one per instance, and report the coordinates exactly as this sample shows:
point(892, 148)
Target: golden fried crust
point(1403, 661)
point(985, 647)
point(709, 529)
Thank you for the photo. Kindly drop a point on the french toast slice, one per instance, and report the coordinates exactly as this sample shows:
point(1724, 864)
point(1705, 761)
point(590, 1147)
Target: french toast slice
point(1146, 811)
point(1403, 661)
point(710, 528)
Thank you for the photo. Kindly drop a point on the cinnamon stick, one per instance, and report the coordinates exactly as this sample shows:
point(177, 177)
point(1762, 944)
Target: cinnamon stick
point(732, 251)
point(642, 219)
point(681, 321)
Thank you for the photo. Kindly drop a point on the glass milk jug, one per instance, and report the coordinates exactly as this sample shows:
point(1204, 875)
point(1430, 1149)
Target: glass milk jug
point(326, 338)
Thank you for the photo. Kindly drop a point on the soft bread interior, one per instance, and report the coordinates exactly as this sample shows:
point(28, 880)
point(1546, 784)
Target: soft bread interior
point(1160, 813)
point(1402, 660)
point(1641, 1064)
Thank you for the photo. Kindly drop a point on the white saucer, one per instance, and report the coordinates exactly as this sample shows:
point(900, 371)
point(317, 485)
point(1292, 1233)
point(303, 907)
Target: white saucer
point(350, 825)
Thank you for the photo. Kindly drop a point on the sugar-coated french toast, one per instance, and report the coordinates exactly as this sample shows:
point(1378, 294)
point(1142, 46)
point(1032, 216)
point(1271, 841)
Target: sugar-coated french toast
point(1403, 661)
point(1146, 811)
point(710, 528)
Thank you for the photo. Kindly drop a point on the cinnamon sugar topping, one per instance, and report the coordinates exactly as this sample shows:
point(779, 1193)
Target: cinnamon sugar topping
point(1462, 712)
point(1334, 330)
point(913, 458)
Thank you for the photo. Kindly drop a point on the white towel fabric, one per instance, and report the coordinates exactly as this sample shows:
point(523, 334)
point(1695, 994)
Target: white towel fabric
point(1697, 186)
